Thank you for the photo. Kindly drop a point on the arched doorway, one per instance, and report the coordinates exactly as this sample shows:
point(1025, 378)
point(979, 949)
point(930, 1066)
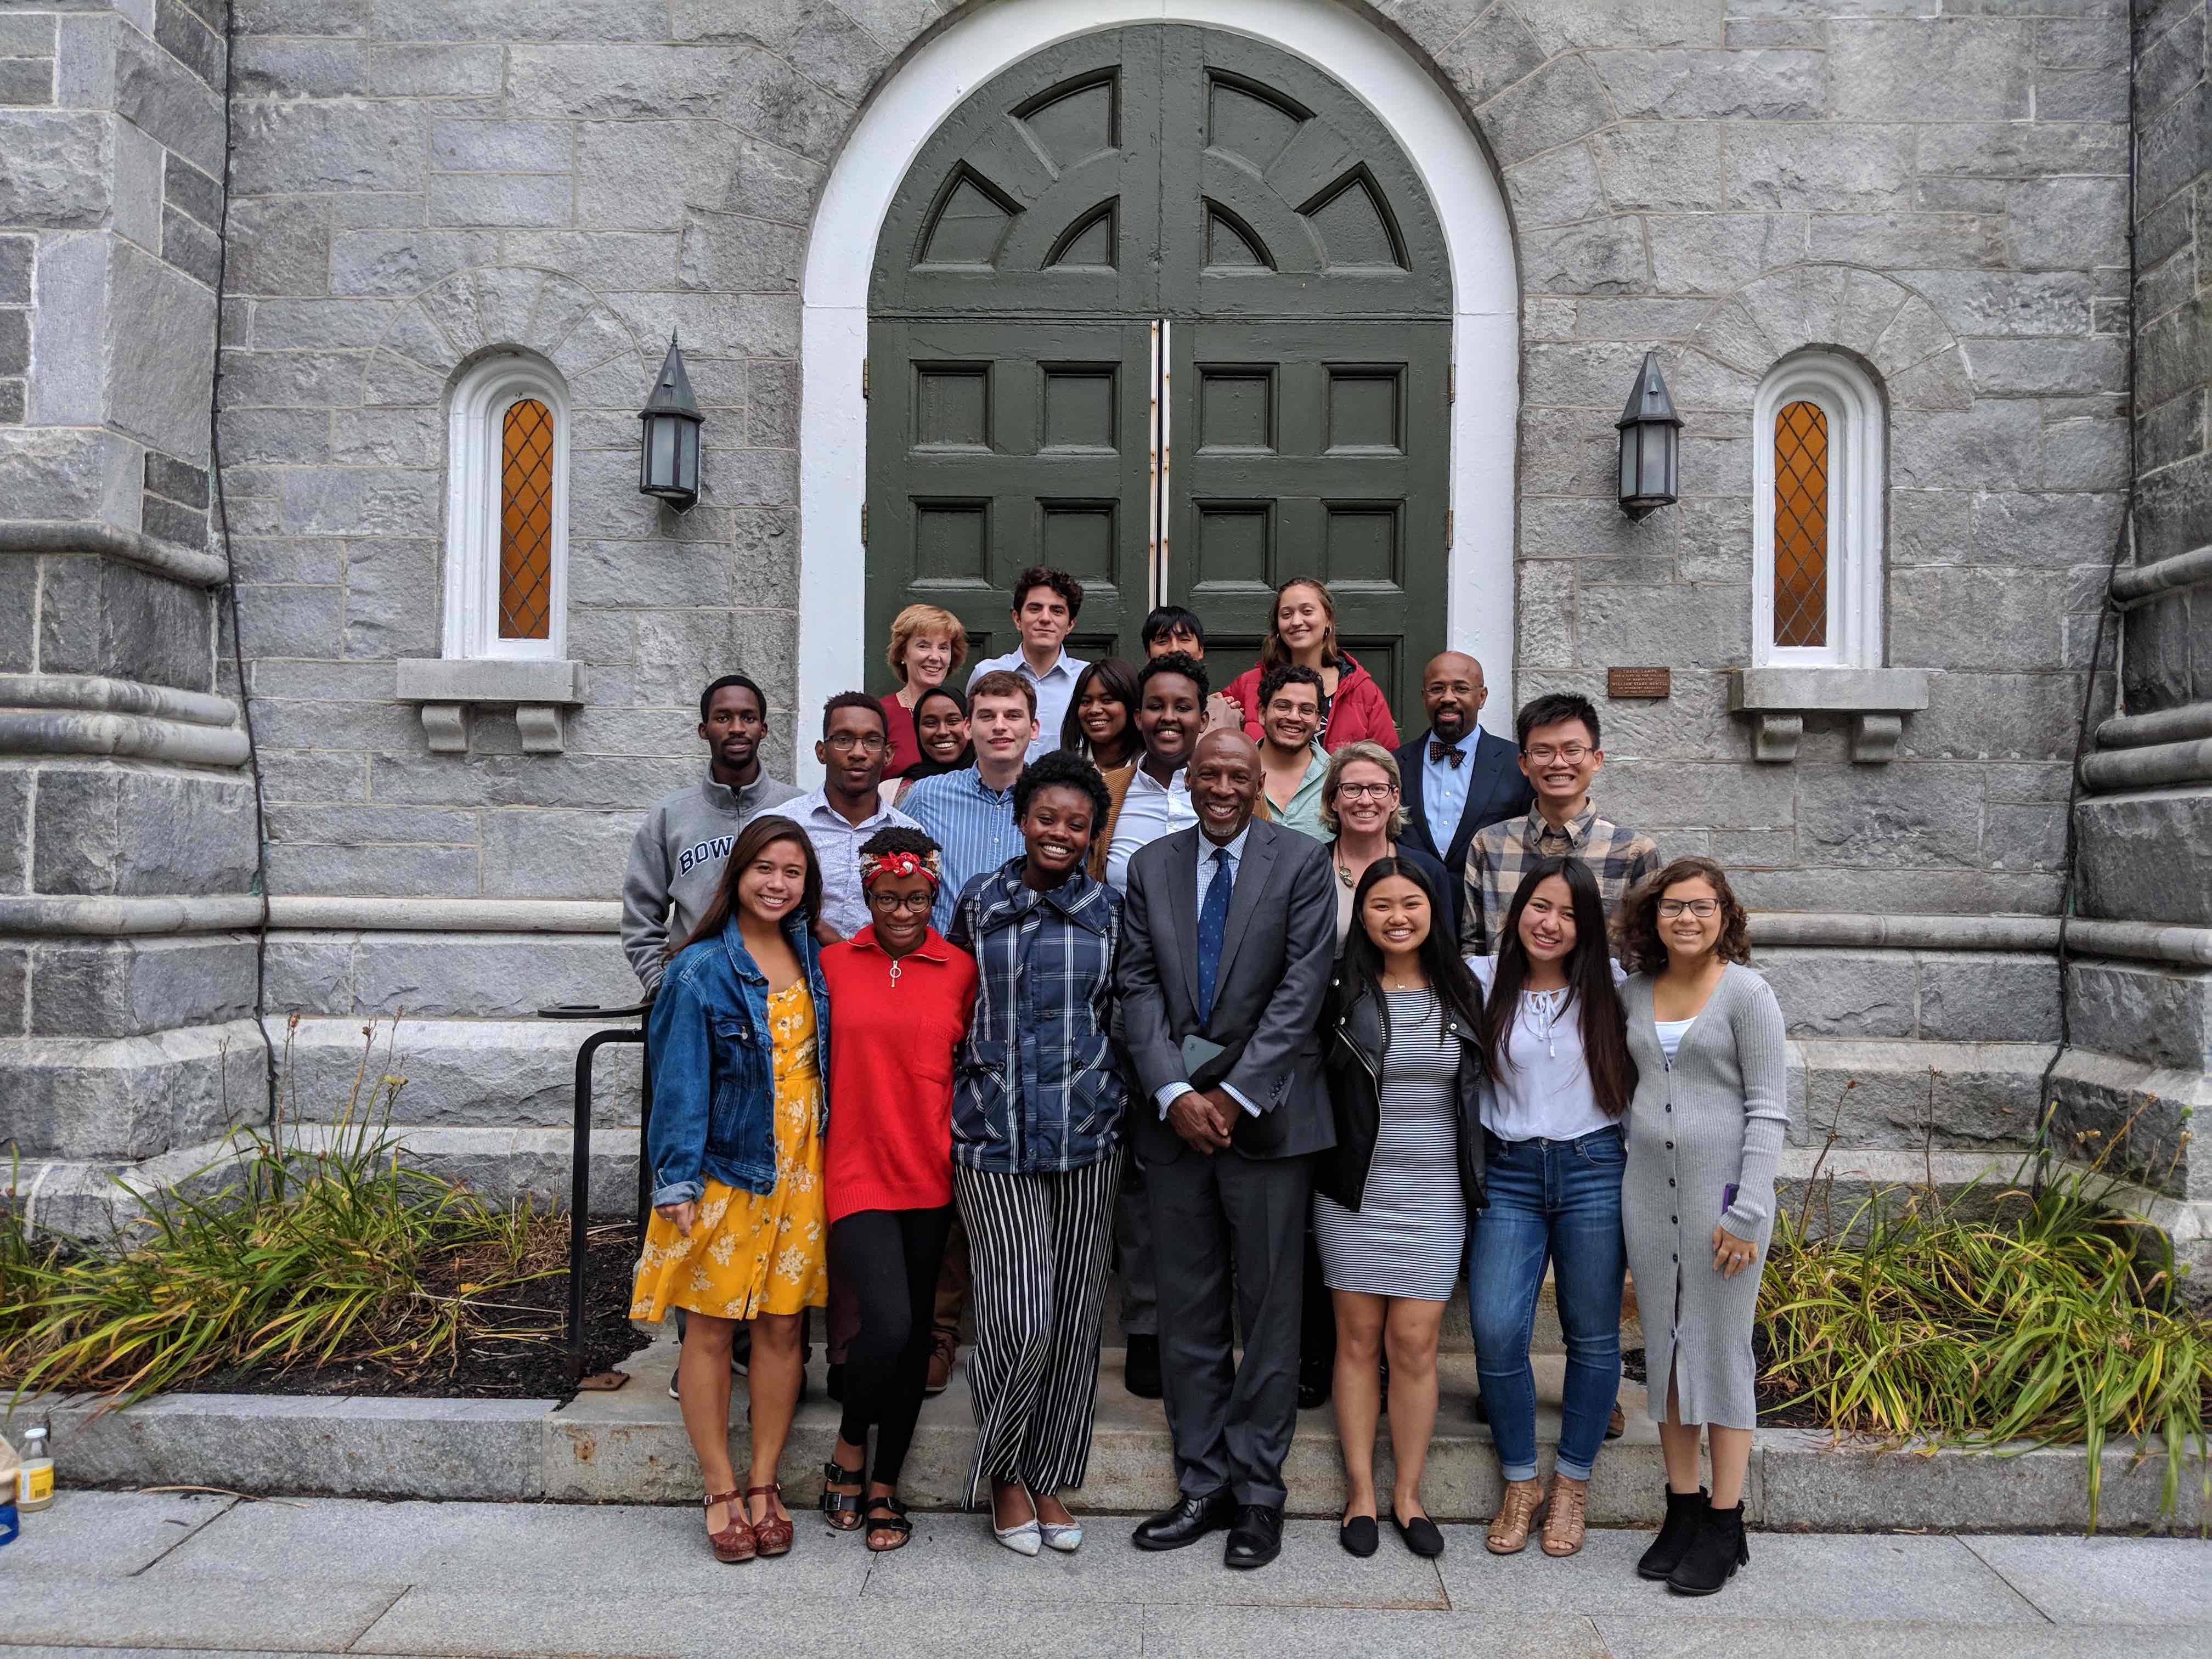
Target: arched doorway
point(1168, 306)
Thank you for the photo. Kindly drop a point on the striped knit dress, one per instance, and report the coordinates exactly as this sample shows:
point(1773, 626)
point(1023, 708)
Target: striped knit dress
point(1409, 1235)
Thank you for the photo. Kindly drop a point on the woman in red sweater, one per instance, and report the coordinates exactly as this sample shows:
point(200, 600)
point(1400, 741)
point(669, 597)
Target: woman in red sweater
point(902, 996)
point(1303, 629)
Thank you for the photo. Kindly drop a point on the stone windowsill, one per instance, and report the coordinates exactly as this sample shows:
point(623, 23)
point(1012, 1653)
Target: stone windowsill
point(451, 689)
point(1778, 699)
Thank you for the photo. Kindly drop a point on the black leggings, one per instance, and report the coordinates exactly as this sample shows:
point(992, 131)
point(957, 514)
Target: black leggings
point(887, 1260)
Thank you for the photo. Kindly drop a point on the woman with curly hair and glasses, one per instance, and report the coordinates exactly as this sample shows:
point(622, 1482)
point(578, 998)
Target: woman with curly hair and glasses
point(902, 996)
point(1705, 1128)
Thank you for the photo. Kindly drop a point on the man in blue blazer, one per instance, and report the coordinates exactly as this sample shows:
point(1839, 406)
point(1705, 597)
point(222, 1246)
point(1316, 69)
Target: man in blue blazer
point(1458, 777)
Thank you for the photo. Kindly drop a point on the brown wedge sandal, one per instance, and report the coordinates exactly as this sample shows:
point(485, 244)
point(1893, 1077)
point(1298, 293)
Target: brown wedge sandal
point(736, 1542)
point(1508, 1533)
point(772, 1534)
point(1564, 1521)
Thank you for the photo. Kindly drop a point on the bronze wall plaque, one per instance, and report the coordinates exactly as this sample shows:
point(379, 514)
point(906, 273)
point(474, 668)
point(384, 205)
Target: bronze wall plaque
point(1639, 681)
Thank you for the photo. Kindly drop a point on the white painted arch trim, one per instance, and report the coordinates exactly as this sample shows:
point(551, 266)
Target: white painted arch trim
point(1842, 391)
point(832, 656)
point(483, 394)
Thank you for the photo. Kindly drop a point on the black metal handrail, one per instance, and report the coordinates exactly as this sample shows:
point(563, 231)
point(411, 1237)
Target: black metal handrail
point(580, 1156)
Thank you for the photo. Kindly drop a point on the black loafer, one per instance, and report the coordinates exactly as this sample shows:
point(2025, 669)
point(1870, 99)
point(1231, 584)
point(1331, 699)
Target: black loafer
point(1358, 1536)
point(1256, 1539)
point(1421, 1535)
point(1315, 1377)
point(1190, 1520)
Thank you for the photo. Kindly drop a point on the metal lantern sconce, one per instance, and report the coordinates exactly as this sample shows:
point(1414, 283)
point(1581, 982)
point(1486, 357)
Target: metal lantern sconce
point(1650, 444)
point(668, 459)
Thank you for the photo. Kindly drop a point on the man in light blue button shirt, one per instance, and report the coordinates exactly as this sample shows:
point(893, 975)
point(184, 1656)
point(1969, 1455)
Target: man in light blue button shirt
point(1046, 604)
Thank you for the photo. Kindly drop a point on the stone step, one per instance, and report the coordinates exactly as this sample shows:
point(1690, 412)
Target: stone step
point(629, 1446)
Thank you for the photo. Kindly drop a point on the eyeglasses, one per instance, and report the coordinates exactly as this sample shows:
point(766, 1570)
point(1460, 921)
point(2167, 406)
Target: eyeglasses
point(919, 902)
point(868, 743)
point(1703, 909)
point(1365, 790)
point(1573, 753)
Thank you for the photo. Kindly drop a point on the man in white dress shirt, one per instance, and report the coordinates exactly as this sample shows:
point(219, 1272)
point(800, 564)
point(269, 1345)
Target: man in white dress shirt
point(1046, 604)
point(841, 815)
point(1171, 691)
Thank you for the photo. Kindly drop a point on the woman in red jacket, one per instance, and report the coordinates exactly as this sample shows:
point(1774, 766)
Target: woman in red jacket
point(1303, 629)
point(902, 997)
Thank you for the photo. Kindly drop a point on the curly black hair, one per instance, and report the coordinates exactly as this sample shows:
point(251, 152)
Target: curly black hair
point(1642, 950)
point(1293, 673)
point(1174, 662)
point(1064, 769)
point(898, 839)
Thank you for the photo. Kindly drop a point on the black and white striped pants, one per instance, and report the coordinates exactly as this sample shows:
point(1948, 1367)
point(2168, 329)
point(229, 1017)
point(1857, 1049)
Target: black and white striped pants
point(1040, 1245)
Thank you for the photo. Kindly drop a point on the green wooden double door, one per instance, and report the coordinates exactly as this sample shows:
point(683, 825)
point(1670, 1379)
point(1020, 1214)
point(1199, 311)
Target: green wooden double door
point(1167, 308)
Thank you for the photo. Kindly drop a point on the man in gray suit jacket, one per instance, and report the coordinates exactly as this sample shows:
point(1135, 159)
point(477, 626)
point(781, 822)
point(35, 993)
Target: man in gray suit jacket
point(1229, 934)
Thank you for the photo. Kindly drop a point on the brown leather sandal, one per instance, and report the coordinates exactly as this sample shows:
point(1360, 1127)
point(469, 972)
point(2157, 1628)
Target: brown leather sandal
point(736, 1542)
point(1564, 1521)
point(1508, 1532)
point(772, 1534)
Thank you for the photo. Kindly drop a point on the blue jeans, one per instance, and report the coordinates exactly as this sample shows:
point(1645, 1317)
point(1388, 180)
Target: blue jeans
point(1555, 1200)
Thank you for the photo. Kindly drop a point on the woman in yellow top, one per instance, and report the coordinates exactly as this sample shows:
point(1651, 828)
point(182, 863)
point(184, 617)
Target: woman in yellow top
point(740, 1034)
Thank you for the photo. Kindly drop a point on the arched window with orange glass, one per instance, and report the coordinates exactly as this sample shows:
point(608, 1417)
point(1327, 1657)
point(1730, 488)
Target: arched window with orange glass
point(1817, 515)
point(507, 531)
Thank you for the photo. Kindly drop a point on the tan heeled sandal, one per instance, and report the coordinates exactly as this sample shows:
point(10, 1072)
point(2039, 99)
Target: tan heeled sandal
point(1508, 1532)
point(736, 1542)
point(1564, 1521)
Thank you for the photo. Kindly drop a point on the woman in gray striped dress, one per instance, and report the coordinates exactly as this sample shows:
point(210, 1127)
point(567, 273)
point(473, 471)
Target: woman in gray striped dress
point(1405, 1071)
point(1704, 1131)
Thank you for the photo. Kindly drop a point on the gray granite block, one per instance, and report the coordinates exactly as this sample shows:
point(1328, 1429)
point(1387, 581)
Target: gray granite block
point(2108, 1581)
point(108, 1533)
point(1190, 1632)
point(311, 1616)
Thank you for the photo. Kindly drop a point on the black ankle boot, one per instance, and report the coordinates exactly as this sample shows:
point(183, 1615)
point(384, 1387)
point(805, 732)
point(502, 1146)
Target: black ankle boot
point(1684, 1511)
point(1714, 1555)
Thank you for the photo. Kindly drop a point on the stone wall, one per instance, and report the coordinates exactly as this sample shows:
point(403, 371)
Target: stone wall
point(127, 835)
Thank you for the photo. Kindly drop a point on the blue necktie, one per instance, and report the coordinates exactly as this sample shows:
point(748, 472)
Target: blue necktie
point(1212, 928)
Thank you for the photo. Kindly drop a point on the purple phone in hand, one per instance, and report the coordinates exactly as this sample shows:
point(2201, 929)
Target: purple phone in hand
point(1728, 1196)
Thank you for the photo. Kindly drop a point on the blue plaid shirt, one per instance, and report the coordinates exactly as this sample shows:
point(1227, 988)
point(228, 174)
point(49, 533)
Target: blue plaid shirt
point(973, 827)
point(1037, 1089)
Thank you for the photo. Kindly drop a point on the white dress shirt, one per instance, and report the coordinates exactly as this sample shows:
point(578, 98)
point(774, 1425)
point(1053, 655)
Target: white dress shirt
point(1055, 688)
point(1149, 811)
point(1209, 866)
point(837, 843)
point(1443, 788)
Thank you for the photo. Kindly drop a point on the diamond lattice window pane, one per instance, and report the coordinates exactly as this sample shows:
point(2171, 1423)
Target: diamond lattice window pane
point(1800, 525)
point(526, 523)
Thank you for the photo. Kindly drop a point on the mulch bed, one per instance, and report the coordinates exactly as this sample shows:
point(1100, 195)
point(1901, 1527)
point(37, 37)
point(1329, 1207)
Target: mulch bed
point(502, 1369)
point(1773, 1413)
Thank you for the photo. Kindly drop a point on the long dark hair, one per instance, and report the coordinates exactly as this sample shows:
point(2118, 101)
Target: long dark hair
point(926, 766)
point(755, 838)
point(1589, 986)
point(1119, 682)
point(1438, 953)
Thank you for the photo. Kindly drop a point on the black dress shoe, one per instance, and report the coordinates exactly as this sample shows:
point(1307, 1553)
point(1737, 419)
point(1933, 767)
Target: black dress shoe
point(1358, 1536)
point(1421, 1536)
point(1256, 1539)
point(1314, 1376)
point(1140, 1367)
point(1190, 1520)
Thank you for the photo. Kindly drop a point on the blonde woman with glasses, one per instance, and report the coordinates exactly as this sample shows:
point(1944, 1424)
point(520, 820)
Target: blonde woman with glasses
point(1362, 808)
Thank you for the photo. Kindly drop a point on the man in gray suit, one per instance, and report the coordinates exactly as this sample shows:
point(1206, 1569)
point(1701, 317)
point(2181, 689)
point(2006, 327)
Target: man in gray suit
point(1229, 934)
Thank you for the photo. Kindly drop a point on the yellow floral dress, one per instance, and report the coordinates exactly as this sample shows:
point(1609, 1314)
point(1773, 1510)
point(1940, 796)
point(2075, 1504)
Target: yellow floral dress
point(755, 1253)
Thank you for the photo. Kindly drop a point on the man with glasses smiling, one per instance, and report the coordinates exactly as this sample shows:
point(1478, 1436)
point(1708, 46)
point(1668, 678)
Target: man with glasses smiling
point(1559, 756)
point(846, 810)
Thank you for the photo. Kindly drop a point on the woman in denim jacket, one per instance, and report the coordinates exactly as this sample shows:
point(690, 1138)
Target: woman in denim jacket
point(740, 1034)
point(1036, 1153)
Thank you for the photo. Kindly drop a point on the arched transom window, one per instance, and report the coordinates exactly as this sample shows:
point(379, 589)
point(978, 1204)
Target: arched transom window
point(506, 514)
point(1817, 515)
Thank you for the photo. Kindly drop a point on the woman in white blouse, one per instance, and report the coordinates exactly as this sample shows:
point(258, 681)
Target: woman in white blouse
point(1558, 1081)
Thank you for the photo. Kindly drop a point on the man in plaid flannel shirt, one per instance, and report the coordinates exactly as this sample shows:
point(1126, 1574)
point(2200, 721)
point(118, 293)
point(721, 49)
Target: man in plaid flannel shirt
point(1559, 755)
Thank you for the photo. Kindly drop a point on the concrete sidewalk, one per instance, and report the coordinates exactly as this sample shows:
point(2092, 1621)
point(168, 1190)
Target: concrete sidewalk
point(188, 1574)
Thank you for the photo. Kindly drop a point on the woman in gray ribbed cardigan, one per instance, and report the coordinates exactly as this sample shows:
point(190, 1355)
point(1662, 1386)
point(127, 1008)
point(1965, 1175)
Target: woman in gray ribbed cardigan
point(1704, 1129)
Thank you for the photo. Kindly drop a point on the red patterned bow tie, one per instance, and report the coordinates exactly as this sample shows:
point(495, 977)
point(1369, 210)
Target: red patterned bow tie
point(1440, 750)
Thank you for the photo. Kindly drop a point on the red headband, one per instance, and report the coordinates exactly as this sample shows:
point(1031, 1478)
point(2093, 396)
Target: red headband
point(874, 869)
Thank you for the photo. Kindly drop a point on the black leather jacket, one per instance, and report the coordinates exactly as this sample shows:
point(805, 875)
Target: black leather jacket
point(1351, 1060)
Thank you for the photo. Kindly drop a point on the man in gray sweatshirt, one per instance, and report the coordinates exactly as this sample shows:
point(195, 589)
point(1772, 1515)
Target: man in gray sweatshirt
point(679, 853)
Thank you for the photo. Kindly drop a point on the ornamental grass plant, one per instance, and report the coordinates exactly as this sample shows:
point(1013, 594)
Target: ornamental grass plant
point(314, 1245)
point(1991, 1321)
